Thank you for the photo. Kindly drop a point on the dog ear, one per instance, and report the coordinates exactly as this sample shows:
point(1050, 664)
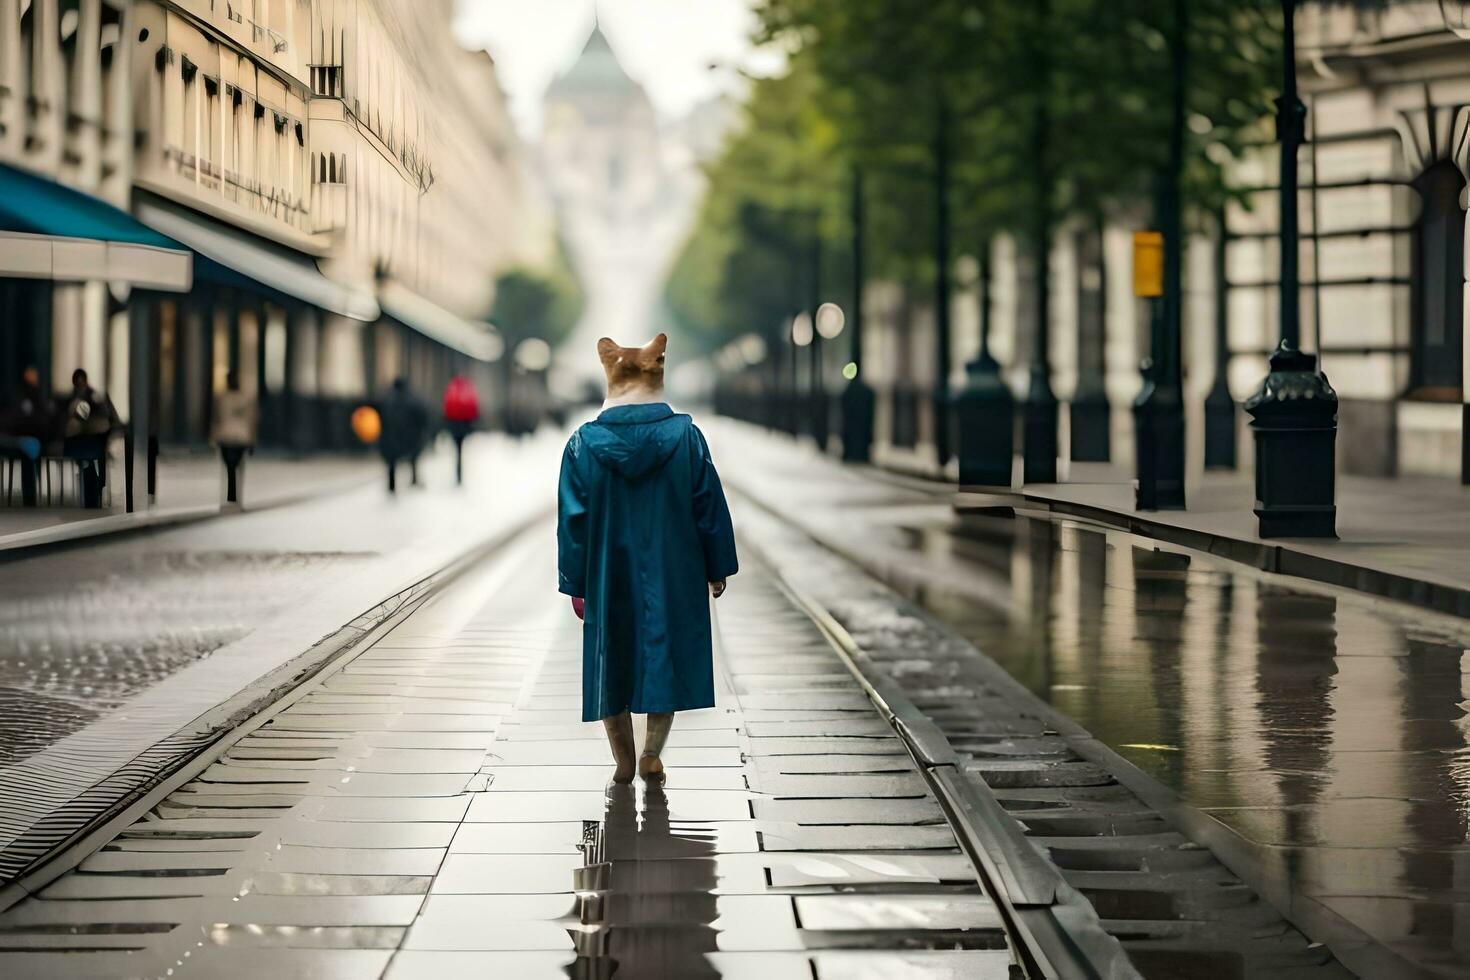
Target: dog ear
point(658, 345)
point(607, 350)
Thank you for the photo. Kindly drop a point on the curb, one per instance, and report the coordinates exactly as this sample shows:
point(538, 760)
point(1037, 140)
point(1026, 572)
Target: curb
point(1055, 930)
point(1280, 559)
point(25, 544)
point(62, 839)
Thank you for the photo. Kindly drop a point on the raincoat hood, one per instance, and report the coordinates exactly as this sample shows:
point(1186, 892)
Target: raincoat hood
point(635, 440)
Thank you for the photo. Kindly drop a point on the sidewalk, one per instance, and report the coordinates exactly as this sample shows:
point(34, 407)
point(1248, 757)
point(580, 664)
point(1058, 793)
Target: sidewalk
point(436, 809)
point(124, 657)
point(189, 488)
point(1406, 539)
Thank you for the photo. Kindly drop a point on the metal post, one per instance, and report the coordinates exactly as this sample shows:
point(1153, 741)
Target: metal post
point(817, 396)
point(1159, 410)
point(140, 397)
point(941, 282)
point(1290, 130)
point(857, 398)
point(1294, 411)
point(1219, 404)
point(1089, 412)
point(1039, 414)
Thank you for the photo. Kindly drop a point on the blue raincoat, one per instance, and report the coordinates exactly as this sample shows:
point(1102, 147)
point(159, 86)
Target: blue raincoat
point(643, 529)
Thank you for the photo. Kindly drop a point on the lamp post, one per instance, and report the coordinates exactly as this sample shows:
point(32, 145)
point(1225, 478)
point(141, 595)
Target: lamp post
point(857, 398)
point(1159, 409)
point(1294, 411)
point(941, 281)
point(1219, 403)
point(817, 395)
point(1039, 411)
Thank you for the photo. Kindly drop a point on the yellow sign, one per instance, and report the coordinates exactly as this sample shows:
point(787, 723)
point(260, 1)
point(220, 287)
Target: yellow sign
point(1148, 263)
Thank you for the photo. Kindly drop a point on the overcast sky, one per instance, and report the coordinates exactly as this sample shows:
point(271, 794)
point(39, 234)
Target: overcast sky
point(668, 45)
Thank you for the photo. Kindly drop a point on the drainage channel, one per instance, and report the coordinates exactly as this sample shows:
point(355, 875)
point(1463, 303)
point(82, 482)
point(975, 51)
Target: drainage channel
point(1053, 930)
point(1171, 903)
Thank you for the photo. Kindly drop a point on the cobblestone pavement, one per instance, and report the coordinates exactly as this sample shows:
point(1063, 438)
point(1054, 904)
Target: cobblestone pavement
point(435, 809)
point(84, 629)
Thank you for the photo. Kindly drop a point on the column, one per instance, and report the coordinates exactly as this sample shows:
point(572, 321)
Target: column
point(1089, 412)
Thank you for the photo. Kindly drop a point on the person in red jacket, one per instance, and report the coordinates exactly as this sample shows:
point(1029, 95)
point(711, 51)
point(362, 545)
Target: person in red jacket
point(461, 412)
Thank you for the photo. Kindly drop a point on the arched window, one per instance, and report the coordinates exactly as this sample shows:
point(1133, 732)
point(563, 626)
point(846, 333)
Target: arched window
point(1438, 301)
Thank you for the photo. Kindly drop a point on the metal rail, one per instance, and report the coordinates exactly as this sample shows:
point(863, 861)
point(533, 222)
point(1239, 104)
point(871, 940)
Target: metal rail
point(1054, 932)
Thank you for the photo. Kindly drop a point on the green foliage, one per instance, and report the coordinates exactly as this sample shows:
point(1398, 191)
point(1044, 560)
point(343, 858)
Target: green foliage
point(538, 303)
point(1049, 108)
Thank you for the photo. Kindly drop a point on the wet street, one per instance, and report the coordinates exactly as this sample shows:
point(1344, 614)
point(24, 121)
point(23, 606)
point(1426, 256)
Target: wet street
point(436, 808)
point(1326, 730)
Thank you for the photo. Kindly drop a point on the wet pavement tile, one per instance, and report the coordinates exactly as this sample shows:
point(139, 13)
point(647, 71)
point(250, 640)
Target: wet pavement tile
point(832, 764)
point(684, 804)
point(513, 874)
point(841, 812)
point(897, 912)
point(552, 778)
point(823, 785)
point(884, 743)
point(436, 965)
point(470, 836)
point(565, 753)
point(559, 837)
point(872, 837)
point(385, 810)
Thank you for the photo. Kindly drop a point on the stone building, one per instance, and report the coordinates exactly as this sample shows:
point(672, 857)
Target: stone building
point(342, 174)
point(1388, 95)
point(622, 191)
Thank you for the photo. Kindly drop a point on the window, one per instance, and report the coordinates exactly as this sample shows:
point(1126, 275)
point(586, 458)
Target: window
point(327, 80)
point(1437, 306)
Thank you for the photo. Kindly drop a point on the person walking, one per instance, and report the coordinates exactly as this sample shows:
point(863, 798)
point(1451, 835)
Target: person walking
point(234, 428)
point(644, 538)
point(461, 412)
point(404, 422)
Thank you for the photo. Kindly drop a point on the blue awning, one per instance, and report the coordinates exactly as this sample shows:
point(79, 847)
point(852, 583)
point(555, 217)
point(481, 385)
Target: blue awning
point(34, 204)
point(228, 256)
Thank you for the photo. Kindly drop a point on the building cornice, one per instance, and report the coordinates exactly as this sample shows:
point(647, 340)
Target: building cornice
point(301, 87)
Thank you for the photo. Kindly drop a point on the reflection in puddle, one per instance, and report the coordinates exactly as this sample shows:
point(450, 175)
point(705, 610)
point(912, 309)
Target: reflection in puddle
point(646, 895)
point(1328, 728)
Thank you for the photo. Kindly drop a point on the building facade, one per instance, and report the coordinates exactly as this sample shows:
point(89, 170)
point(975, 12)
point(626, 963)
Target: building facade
point(1383, 273)
point(624, 188)
point(342, 174)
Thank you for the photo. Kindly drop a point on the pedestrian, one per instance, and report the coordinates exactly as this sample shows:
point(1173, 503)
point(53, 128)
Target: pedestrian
point(25, 428)
point(27, 413)
point(644, 538)
point(88, 418)
point(461, 412)
point(235, 424)
point(404, 422)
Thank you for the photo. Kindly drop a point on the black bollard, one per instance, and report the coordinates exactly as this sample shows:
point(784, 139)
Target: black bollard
point(1294, 418)
point(985, 411)
point(858, 406)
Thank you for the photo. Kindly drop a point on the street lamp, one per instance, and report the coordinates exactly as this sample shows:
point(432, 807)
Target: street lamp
point(1294, 412)
point(858, 400)
point(801, 330)
point(830, 321)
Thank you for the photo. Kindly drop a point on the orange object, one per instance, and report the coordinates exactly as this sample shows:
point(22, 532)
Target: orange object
point(367, 425)
point(1148, 264)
